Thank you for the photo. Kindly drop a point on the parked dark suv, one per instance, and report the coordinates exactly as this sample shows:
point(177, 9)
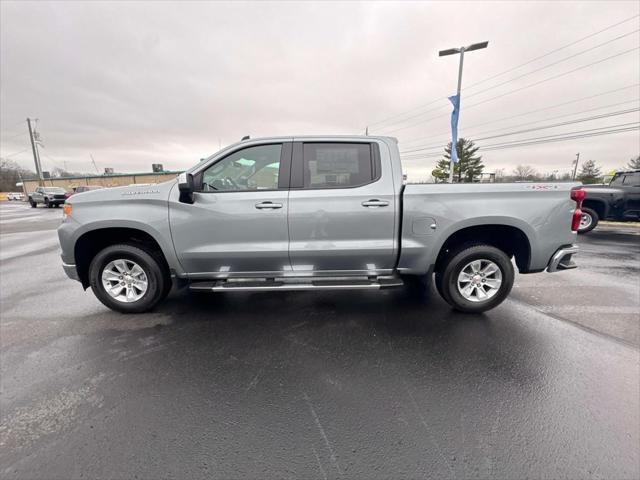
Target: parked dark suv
point(49, 196)
point(620, 200)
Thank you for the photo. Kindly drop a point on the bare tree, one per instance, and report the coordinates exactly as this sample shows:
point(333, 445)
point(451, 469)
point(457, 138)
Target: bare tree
point(12, 173)
point(524, 172)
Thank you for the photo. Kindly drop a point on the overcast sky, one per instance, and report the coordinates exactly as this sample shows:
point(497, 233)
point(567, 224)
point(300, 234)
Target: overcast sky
point(136, 83)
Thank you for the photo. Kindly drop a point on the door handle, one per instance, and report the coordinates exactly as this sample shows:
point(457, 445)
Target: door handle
point(268, 205)
point(375, 203)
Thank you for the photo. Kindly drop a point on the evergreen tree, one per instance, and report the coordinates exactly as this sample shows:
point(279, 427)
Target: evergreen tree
point(469, 166)
point(590, 173)
point(634, 163)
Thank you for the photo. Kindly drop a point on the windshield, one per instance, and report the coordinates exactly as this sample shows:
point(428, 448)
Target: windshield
point(54, 190)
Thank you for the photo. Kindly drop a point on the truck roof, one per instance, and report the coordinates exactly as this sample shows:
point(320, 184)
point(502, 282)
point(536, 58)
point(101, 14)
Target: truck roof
point(319, 137)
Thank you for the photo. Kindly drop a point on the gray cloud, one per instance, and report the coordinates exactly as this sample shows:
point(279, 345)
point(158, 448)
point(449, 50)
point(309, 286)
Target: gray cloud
point(139, 83)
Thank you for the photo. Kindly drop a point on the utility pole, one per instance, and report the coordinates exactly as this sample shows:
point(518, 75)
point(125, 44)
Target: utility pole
point(575, 168)
point(452, 51)
point(36, 156)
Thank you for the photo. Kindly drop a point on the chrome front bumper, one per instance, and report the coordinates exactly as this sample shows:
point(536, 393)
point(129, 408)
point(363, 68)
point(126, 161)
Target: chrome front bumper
point(563, 259)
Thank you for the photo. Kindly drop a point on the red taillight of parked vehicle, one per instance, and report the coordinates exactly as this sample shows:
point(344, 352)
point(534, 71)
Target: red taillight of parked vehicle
point(577, 196)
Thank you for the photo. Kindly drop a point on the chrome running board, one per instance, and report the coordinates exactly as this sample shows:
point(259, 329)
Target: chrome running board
point(266, 285)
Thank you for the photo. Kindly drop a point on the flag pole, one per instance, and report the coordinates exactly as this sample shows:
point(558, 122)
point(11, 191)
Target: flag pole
point(455, 146)
point(456, 104)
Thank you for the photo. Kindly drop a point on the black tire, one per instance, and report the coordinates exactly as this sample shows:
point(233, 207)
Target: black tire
point(157, 278)
point(593, 215)
point(46, 203)
point(447, 278)
point(32, 203)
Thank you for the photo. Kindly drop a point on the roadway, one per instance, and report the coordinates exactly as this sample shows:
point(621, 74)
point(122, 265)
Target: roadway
point(319, 385)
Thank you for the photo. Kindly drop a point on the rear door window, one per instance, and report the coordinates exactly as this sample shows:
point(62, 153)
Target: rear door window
point(337, 165)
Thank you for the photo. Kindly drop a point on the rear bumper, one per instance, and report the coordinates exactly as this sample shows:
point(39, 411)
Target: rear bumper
point(563, 259)
point(71, 271)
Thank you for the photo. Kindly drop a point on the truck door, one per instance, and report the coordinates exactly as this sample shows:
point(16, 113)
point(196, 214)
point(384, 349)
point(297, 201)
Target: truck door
point(237, 225)
point(342, 209)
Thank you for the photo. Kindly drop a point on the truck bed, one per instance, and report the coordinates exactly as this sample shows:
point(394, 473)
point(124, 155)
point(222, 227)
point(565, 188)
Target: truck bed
point(432, 212)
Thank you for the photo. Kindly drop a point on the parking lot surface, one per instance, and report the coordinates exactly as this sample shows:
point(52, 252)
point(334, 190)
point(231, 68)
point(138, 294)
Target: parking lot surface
point(387, 384)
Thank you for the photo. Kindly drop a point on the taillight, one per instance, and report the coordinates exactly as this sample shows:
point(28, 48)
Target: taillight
point(577, 196)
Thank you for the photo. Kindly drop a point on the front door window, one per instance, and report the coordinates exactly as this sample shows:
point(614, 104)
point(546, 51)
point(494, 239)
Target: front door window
point(253, 168)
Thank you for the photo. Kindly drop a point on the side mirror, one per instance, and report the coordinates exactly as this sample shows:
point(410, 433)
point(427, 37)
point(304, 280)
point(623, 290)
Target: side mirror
point(186, 186)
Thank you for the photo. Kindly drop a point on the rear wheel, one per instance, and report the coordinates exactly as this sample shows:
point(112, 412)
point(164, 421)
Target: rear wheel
point(128, 278)
point(32, 203)
point(588, 221)
point(476, 278)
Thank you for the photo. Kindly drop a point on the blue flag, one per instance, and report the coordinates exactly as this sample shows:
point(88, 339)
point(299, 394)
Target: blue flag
point(455, 100)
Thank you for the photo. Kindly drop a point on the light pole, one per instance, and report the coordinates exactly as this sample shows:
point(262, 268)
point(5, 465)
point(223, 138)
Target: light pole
point(461, 51)
point(575, 166)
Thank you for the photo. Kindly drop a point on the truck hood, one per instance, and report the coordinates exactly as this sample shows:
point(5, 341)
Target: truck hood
point(156, 191)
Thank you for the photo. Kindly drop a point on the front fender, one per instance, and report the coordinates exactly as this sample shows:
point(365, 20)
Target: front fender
point(150, 218)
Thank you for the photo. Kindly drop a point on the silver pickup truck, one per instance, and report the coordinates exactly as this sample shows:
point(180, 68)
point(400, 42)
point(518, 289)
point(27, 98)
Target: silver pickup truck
point(314, 213)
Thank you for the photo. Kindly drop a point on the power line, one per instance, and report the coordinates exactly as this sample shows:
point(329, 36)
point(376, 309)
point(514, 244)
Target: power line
point(519, 77)
point(52, 161)
point(543, 127)
point(567, 133)
point(538, 110)
point(554, 51)
point(555, 76)
point(625, 127)
point(15, 153)
point(16, 135)
point(385, 120)
point(561, 139)
point(523, 87)
point(551, 64)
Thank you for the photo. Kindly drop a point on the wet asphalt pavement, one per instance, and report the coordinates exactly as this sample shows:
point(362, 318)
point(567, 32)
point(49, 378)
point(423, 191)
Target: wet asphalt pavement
point(319, 385)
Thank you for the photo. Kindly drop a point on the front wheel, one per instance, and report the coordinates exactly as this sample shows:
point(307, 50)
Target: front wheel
point(476, 279)
point(128, 278)
point(588, 220)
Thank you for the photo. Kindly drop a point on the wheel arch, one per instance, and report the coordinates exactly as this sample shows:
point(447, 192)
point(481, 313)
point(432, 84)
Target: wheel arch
point(597, 205)
point(91, 241)
point(509, 238)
